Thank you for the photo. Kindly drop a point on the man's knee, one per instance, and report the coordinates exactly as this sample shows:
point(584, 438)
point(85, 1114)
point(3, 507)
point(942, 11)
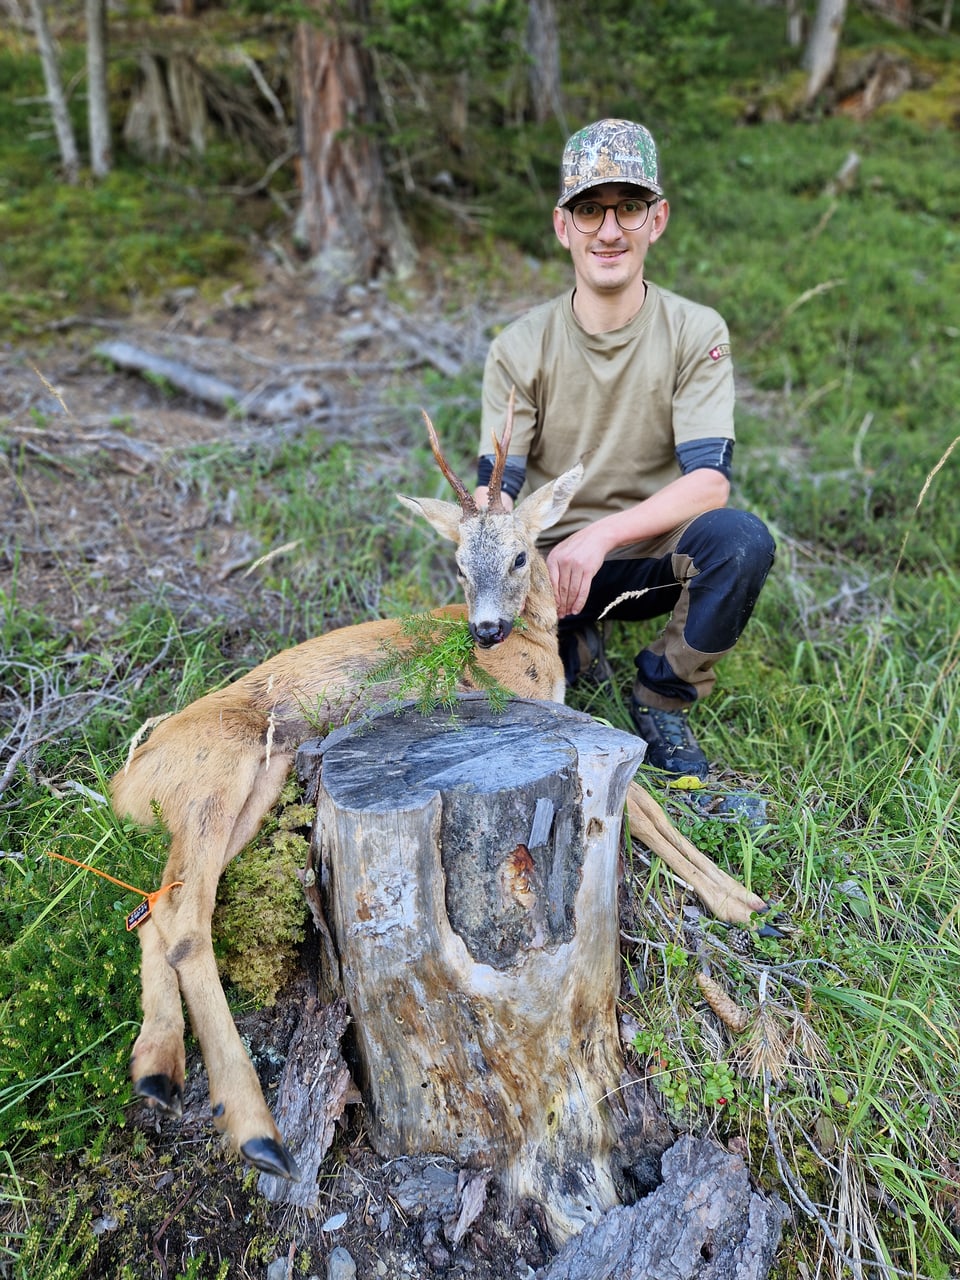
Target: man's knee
point(738, 539)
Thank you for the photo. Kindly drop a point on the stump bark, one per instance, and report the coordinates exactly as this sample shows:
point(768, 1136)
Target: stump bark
point(704, 1222)
point(467, 868)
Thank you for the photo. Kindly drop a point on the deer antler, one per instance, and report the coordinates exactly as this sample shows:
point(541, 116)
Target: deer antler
point(494, 496)
point(467, 504)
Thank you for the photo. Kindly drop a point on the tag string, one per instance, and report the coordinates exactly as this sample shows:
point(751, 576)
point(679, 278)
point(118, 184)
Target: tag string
point(142, 912)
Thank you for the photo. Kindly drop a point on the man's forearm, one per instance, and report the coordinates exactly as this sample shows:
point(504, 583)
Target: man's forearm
point(683, 499)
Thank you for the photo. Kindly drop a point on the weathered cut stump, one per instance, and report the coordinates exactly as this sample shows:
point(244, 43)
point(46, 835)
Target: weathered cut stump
point(468, 868)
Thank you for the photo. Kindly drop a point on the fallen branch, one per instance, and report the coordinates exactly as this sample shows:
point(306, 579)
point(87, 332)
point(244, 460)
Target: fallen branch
point(160, 369)
point(414, 338)
point(315, 1091)
point(36, 709)
point(267, 402)
point(76, 440)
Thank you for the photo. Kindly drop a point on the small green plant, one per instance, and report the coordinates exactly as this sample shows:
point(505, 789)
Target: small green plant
point(65, 1254)
point(198, 1265)
point(68, 959)
point(161, 382)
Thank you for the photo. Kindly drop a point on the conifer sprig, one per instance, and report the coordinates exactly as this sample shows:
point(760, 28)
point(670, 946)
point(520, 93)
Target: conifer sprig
point(430, 668)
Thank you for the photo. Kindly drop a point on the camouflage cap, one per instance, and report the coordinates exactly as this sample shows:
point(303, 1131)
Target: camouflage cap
point(609, 151)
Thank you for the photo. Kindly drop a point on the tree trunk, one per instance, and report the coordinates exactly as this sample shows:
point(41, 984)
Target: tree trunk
point(794, 24)
point(69, 156)
point(149, 126)
point(348, 219)
point(168, 109)
point(468, 866)
point(188, 102)
point(821, 53)
point(543, 52)
point(98, 98)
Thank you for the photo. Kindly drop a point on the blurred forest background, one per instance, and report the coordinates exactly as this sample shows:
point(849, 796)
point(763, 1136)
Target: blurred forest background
point(240, 245)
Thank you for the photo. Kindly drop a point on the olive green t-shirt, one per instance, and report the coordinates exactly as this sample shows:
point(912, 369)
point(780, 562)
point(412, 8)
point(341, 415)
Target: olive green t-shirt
point(619, 402)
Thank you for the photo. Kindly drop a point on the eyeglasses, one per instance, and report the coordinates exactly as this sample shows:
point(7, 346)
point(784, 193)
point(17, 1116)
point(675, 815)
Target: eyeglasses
point(630, 214)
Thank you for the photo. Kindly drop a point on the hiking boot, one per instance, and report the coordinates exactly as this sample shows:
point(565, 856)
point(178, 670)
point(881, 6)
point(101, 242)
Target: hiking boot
point(581, 651)
point(670, 744)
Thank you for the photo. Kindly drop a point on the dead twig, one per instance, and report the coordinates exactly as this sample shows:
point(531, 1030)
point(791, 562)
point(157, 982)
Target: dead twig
point(36, 708)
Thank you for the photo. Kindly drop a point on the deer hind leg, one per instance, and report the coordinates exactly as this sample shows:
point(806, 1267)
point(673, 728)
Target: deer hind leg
point(158, 1061)
point(210, 838)
point(725, 898)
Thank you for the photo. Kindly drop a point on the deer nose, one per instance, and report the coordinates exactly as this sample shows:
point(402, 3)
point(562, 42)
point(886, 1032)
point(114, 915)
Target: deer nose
point(489, 633)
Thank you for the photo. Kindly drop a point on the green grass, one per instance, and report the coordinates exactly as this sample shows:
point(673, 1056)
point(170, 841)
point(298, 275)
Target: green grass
point(157, 242)
point(840, 705)
point(846, 1081)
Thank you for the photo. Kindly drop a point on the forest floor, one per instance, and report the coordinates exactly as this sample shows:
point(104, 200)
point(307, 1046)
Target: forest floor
point(99, 500)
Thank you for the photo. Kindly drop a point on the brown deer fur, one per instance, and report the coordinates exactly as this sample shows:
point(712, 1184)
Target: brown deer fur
point(214, 770)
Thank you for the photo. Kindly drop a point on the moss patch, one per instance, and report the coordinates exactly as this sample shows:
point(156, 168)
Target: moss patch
point(260, 919)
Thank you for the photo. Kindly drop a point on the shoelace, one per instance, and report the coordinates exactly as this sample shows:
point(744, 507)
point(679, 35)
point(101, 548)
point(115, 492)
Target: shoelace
point(672, 727)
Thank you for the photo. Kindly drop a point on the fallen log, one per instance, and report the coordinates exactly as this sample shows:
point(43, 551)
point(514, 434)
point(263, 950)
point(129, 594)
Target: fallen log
point(161, 369)
point(269, 402)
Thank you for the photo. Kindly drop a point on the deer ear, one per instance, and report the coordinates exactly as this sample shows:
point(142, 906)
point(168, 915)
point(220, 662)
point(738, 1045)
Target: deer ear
point(444, 516)
point(546, 505)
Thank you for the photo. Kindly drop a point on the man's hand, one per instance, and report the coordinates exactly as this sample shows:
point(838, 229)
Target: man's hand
point(480, 495)
point(574, 562)
point(572, 565)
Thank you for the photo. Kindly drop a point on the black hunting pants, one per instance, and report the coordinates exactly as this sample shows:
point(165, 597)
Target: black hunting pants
point(706, 575)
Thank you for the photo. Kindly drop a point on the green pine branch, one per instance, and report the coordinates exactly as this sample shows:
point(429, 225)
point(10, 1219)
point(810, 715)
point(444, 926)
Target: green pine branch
point(430, 668)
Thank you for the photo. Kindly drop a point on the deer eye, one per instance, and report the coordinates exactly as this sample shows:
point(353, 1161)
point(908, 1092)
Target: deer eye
point(459, 571)
point(520, 561)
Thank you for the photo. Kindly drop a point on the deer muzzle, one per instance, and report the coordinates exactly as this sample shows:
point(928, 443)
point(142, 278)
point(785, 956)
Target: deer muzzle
point(488, 633)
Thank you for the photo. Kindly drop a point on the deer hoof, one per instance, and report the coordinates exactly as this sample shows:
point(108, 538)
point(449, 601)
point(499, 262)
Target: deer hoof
point(271, 1156)
point(160, 1092)
point(771, 930)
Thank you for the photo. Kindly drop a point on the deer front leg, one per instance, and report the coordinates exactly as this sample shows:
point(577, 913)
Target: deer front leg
point(725, 898)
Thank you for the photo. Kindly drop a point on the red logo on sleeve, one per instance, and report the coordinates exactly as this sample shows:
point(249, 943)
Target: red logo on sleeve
point(719, 351)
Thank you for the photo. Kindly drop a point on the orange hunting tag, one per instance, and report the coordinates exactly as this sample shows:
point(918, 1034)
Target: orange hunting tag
point(139, 914)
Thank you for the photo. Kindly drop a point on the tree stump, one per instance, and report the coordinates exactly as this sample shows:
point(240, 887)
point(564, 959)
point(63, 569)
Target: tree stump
point(468, 866)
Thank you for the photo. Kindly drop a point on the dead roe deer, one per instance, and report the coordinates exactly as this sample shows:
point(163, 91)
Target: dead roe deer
point(214, 770)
